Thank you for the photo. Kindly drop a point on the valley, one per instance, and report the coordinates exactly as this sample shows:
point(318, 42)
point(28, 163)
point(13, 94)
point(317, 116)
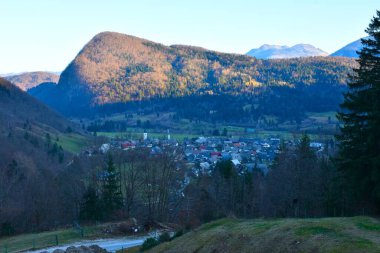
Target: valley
point(140, 145)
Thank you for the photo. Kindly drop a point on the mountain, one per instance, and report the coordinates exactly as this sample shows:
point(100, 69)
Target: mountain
point(282, 52)
point(349, 50)
point(115, 71)
point(28, 80)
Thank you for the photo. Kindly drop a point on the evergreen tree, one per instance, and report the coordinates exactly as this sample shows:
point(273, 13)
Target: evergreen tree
point(112, 197)
point(359, 156)
point(91, 207)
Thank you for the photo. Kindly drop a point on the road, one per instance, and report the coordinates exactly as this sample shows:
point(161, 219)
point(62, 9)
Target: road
point(109, 244)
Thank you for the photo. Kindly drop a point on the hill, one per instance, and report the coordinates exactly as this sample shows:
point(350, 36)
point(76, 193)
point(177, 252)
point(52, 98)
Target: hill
point(36, 146)
point(118, 72)
point(282, 52)
point(28, 80)
point(17, 107)
point(349, 50)
point(338, 235)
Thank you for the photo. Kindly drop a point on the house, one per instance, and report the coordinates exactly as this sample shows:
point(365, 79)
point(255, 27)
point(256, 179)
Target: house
point(236, 156)
point(235, 162)
point(104, 148)
point(127, 145)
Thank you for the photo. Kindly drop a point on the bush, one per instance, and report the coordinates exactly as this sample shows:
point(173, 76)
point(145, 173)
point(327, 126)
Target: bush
point(148, 244)
point(165, 237)
point(178, 234)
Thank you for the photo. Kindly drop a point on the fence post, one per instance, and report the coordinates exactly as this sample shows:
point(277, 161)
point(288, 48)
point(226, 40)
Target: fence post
point(34, 244)
point(5, 249)
point(56, 240)
point(82, 232)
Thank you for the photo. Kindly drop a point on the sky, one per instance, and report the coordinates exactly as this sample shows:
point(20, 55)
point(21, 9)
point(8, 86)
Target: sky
point(46, 35)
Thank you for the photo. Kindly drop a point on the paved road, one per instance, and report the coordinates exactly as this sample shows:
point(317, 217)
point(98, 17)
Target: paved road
point(109, 244)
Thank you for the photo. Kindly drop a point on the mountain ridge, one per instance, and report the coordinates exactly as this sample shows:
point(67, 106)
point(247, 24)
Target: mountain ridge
point(114, 68)
point(267, 51)
point(28, 80)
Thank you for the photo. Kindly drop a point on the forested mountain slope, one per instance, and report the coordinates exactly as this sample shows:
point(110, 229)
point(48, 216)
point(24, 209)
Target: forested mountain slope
point(32, 155)
point(114, 69)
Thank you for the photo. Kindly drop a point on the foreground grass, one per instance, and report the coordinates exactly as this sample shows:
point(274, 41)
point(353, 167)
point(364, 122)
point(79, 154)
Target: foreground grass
point(335, 235)
point(47, 239)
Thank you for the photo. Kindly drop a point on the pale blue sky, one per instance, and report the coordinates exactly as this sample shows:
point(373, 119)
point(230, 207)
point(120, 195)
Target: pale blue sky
point(47, 34)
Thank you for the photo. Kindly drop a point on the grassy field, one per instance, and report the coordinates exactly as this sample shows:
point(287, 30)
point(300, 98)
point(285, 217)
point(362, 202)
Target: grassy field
point(73, 143)
point(46, 239)
point(318, 125)
point(139, 135)
point(335, 235)
point(181, 136)
point(130, 250)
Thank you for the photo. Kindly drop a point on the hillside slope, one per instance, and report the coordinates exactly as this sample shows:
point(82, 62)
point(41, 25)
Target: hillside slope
point(116, 68)
point(28, 80)
point(25, 123)
point(282, 52)
point(338, 235)
point(36, 146)
point(17, 107)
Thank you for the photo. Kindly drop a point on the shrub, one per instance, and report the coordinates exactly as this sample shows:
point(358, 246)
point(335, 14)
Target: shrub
point(178, 234)
point(148, 244)
point(165, 237)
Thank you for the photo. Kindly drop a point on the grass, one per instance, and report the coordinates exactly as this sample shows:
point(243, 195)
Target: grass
point(335, 235)
point(139, 135)
point(366, 223)
point(130, 250)
point(313, 230)
point(73, 143)
point(26, 242)
point(320, 126)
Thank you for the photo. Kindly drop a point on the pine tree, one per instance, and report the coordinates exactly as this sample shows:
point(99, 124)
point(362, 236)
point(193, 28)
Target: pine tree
point(359, 156)
point(91, 207)
point(112, 197)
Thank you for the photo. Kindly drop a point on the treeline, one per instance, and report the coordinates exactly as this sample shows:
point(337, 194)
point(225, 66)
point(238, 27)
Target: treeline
point(158, 187)
point(300, 184)
point(285, 103)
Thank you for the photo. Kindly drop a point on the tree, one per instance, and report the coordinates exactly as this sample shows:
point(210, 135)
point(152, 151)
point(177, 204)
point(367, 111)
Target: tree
point(112, 197)
point(359, 156)
point(130, 177)
point(91, 208)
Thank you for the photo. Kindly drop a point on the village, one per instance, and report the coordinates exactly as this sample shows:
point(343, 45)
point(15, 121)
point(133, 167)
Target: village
point(202, 154)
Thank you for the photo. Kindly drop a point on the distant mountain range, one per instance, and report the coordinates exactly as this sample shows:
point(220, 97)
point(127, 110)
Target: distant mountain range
point(302, 50)
point(28, 80)
point(282, 52)
point(349, 50)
